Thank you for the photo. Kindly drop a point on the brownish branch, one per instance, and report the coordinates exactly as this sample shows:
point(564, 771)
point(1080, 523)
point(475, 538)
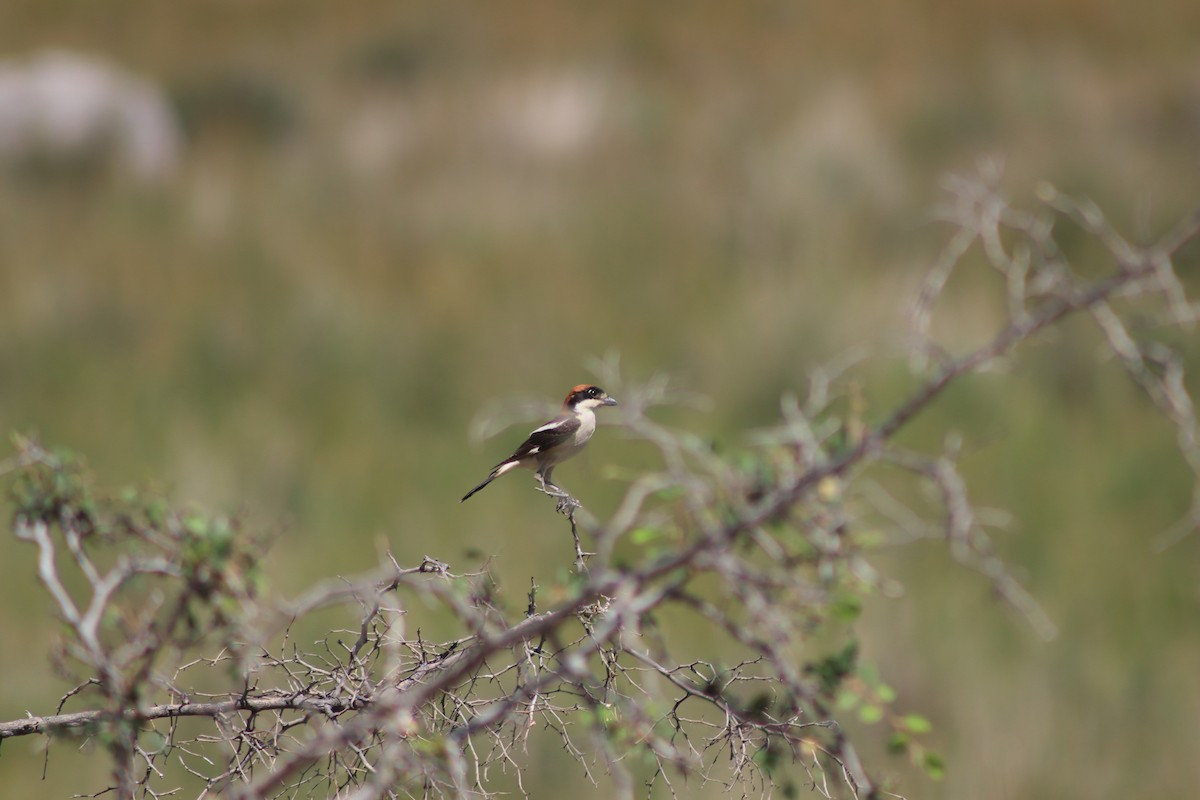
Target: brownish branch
point(61, 723)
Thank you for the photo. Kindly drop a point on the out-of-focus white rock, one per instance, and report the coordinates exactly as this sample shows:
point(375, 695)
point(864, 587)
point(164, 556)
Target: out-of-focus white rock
point(554, 115)
point(65, 106)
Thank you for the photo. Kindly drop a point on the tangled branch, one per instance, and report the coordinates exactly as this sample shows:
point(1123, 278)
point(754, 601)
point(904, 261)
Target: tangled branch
point(760, 550)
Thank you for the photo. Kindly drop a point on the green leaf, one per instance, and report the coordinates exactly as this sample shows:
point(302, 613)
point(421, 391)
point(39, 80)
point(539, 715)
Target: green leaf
point(64, 455)
point(425, 746)
point(869, 674)
point(870, 714)
point(846, 607)
point(644, 535)
point(832, 669)
point(917, 724)
point(768, 758)
point(606, 717)
point(195, 524)
point(897, 743)
point(156, 511)
point(847, 700)
point(885, 693)
point(934, 766)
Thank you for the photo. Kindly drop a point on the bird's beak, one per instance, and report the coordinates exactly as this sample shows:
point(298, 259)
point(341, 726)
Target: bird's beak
point(611, 401)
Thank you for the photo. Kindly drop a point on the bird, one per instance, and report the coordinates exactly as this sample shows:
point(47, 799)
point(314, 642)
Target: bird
point(556, 441)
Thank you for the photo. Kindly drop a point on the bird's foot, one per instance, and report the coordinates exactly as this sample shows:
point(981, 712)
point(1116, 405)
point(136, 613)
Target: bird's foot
point(566, 504)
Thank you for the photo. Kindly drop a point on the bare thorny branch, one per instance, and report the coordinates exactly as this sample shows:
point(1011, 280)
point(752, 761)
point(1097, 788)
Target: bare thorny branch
point(759, 550)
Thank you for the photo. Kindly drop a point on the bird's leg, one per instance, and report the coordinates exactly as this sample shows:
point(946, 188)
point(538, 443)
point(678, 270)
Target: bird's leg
point(566, 503)
point(547, 486)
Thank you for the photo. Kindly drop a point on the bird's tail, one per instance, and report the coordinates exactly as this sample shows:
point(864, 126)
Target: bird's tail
point(495, 473)
point(486, 481)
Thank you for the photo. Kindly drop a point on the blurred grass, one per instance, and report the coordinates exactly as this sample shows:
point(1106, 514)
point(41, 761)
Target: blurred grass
point(366, 243)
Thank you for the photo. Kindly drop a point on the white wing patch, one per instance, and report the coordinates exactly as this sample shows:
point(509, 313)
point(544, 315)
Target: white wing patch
point(549, 426)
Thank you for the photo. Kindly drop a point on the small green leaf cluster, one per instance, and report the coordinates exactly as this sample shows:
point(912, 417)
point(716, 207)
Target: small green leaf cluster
point(53, 487)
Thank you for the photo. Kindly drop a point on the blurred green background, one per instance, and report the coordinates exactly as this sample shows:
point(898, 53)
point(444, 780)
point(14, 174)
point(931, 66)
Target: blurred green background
point(385, 217)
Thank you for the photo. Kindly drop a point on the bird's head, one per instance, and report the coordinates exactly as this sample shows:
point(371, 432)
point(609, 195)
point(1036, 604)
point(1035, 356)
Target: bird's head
point(587, 396)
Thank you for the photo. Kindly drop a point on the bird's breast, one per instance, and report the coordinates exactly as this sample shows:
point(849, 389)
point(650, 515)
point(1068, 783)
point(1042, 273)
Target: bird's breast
point(587, 426)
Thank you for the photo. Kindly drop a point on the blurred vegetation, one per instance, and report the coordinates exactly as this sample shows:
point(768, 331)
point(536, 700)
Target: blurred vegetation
point(375, 233)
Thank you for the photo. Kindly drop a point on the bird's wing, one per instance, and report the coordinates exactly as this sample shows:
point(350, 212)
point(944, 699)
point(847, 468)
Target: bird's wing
point(551, 434)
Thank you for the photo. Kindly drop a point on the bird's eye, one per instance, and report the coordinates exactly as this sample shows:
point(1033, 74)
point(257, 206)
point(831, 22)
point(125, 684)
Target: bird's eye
point(592, 392)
